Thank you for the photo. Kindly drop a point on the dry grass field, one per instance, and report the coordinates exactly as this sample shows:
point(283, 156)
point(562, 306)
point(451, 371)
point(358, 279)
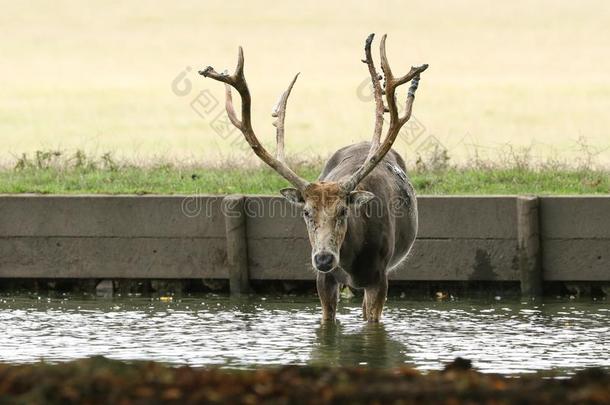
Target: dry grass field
point(114, 76)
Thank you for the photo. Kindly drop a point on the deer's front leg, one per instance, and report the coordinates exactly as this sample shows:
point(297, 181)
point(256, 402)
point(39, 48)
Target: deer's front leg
point(364, 308)
point(374, 300)
point(328, 291)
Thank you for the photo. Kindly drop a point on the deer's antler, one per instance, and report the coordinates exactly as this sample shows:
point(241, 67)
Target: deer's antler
point(377, 92)
point(377, 151)
point(238, 81)
point(279, 112)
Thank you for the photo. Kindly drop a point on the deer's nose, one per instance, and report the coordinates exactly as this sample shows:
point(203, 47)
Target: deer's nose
point(324, 261)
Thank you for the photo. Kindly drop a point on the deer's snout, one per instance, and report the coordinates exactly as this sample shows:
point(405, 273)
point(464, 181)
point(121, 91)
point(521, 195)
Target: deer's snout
point(324, 261)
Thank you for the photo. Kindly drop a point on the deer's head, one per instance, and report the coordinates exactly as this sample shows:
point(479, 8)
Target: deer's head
point(326, 206)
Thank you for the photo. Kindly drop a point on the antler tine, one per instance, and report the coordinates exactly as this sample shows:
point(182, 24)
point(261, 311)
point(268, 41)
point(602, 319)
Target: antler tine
point(396, 122)
point(410, 98)
point(377, 92)
point(229, 105)
point(385, 66)
point(239, 69)
point(390, 84)
point(238, 81)
point(279, 112)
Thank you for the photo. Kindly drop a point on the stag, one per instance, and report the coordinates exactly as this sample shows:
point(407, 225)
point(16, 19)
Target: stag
point(351, 243)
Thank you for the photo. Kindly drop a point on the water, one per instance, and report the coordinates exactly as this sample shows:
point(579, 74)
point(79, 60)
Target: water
point(499, 336)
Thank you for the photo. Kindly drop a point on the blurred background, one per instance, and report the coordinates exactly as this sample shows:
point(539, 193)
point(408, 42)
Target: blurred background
point(527, 78)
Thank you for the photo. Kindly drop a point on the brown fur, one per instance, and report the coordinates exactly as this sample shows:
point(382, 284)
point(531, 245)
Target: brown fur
point(324, 196)
point(366, 245)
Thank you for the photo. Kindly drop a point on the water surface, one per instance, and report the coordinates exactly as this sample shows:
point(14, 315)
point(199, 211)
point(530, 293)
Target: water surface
point(499, 336)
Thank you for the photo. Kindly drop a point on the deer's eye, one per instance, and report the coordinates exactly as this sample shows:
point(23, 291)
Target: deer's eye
point(307, 214)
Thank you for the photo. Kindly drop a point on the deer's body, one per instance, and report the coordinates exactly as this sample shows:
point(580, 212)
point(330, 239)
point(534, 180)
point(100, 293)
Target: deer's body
point(361, 214)
point(379, 237)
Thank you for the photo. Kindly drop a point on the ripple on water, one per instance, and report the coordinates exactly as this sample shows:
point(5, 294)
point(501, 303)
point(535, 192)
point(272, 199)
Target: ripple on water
point(499, 337)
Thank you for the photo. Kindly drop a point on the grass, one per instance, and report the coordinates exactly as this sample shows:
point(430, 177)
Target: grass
point(100, 78)
point(54, 173)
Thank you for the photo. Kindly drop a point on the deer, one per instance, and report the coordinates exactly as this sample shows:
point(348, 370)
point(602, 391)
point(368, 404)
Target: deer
point(351, 244)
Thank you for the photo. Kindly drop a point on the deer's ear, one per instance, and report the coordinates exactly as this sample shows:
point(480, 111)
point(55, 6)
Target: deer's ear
point(293, 195)
point(359, 198)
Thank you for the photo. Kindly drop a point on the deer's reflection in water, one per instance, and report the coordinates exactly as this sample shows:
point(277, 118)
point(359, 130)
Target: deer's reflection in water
point(368, 345)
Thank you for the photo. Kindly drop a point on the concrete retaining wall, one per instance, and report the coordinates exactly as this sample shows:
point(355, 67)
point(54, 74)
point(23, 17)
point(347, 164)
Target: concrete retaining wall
point(460, 238)
point(575, 234)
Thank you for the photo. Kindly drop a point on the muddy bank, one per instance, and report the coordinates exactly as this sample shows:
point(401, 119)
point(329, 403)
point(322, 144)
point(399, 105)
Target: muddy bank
point(99, 381)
